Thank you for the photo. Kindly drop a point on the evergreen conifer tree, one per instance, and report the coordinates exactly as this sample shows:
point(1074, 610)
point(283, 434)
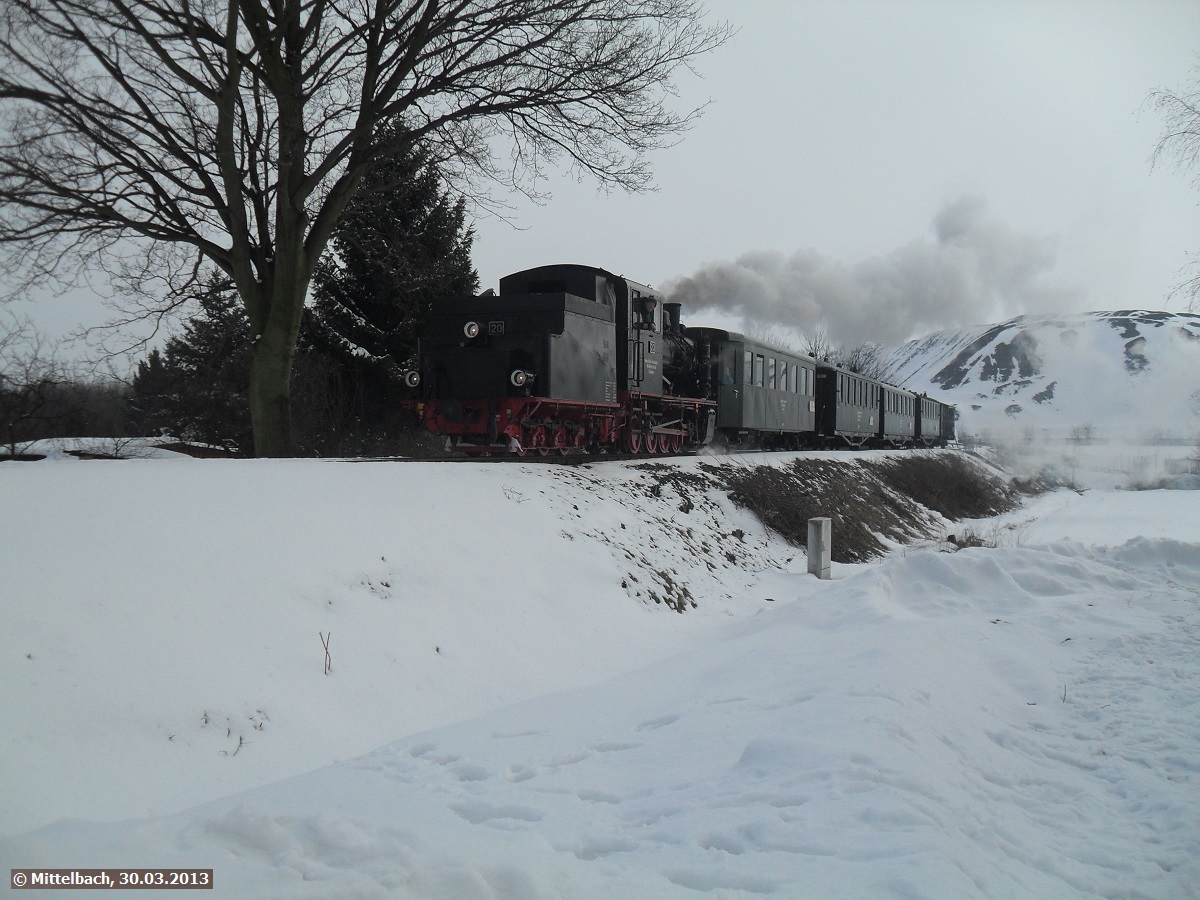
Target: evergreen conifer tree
point(196, 387)
point(402, 245)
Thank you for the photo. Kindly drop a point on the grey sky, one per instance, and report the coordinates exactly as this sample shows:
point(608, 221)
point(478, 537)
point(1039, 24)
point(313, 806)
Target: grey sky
point(842, 136)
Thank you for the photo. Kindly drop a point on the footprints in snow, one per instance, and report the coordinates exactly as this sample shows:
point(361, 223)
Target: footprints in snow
point(449, 769)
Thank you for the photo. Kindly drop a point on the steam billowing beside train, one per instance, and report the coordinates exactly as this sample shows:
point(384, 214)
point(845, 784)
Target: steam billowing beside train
point(573, 358)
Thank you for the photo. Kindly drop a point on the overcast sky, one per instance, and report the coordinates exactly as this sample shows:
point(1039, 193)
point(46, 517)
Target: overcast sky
point(896, 166)
point(891, 167)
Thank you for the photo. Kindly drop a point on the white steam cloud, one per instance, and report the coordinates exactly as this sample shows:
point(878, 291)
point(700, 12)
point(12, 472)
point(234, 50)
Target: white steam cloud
point(977, 270)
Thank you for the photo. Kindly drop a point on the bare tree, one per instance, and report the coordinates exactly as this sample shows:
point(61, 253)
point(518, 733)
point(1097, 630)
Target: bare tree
point(866, 359)
point(818, 344)
point(233, 132)
point(1179, 146)
point(31, 379)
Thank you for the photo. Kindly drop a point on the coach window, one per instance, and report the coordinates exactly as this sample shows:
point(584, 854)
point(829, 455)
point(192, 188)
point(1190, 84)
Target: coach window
point(771, 373)
point(747, 372)
point(728, 364)
point(758, 370)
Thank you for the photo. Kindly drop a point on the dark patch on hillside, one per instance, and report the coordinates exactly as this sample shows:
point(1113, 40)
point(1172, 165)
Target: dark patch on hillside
point(958, 370)
point(1135, 355)
point(1046, 394)
point(1018, 356)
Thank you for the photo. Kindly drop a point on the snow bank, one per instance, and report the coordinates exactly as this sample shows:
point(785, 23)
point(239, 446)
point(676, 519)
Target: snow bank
point(1014, 722)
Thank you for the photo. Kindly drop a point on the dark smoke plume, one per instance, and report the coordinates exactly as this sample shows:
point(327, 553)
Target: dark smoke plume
point(977, 270)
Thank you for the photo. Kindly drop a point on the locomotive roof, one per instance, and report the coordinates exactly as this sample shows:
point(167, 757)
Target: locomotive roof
point(577, 269)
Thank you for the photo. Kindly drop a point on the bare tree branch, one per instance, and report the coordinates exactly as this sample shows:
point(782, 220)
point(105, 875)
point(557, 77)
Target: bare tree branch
point(1179, 147)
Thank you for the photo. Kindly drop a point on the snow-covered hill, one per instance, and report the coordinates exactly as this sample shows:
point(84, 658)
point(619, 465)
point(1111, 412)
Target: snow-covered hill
point(511, 714)
point(1130, 375)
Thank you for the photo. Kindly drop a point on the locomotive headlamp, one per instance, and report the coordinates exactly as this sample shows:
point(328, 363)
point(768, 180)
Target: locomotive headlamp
point(520, 377)
point(471, 329)
point(412, 378)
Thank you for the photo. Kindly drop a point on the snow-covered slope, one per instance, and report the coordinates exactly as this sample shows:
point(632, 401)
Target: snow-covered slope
point(510, 714)
point(1128, 374)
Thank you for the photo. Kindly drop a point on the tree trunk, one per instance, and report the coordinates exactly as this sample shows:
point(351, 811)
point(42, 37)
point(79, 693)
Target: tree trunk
point(271, 392)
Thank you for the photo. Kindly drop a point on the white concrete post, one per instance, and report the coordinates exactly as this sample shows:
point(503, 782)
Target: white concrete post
point(820, 533)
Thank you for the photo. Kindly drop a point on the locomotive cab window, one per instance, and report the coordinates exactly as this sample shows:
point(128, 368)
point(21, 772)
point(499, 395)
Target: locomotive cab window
point(644, 309)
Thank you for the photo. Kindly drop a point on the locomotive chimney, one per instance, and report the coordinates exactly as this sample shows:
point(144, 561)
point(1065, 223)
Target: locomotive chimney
point(672, 311)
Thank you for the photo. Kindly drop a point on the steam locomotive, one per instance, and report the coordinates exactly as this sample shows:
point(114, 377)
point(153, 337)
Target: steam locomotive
point(573, 359)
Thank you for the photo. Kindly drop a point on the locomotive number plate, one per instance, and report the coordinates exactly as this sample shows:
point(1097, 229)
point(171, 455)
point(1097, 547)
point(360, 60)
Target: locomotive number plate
point(495, 328)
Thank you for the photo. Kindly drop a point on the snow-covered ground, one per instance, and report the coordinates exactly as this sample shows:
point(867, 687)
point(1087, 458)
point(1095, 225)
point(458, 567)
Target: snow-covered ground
point(514, 708)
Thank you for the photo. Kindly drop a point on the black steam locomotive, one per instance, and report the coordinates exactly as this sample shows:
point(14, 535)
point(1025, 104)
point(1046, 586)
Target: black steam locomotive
point(571, 359)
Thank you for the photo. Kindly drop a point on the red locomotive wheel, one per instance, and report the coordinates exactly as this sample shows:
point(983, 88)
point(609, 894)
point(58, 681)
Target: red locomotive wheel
point(633, 436)
point(537, 440)
point(562, 441)
point(652, 442)
point(676, 443)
